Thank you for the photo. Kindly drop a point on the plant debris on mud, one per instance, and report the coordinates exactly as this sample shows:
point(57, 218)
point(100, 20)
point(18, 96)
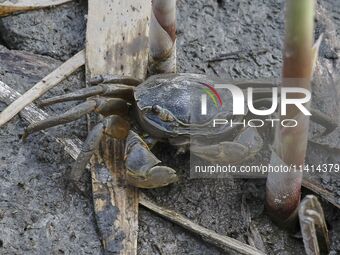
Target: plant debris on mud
point(38, 215)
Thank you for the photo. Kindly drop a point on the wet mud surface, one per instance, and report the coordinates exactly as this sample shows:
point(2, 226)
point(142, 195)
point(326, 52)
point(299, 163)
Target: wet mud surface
point(39, 216)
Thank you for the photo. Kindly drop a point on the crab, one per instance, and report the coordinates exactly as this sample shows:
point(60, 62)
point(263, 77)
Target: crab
point(166, 108)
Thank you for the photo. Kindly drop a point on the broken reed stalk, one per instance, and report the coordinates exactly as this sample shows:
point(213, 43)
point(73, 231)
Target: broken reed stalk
point(48, 82)
point(117, 44)
point(319, 190)
point(223, 242)
point(9, 7)
point(313, 226)
point(162, 56)
point(283, 189)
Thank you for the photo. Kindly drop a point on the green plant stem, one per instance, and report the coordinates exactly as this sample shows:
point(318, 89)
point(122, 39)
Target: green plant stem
point(283, 189)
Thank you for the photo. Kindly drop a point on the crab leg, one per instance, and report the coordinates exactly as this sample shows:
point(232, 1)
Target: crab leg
point(243, 147)
point(142, 166)
point(106, 90)
point(90, 145)
point(115, 79)
point(115, 126)
point(103, 106)
point(324, 120)
point(225, 152)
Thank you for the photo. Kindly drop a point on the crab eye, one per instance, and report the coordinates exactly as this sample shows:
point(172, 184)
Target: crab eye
point(162, 114)
point(156, 108)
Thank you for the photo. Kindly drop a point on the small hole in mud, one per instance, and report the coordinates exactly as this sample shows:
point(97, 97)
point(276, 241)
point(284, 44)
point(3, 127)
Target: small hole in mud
point(21, 185)
point(1, 244)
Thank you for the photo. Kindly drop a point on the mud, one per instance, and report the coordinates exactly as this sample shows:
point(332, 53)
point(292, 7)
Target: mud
point(37, 214)
point(56, 32)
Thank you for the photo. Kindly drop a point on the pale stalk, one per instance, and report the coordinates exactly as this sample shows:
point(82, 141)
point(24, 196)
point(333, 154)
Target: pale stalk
point(40, 88)
point(116, 44)
point(9, 7)
point(283, 189)
point(162, 56)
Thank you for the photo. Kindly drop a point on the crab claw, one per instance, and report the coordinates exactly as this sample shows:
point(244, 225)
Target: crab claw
point(155, 177)
point(142, 166)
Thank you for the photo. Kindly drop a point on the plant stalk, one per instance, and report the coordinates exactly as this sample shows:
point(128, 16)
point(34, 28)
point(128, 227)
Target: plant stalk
point(8, 7)
point(162, 56)
point(290, 144)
